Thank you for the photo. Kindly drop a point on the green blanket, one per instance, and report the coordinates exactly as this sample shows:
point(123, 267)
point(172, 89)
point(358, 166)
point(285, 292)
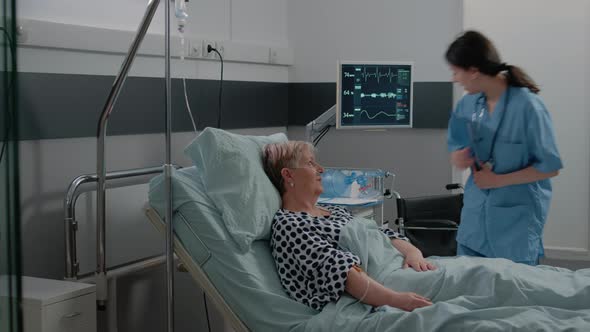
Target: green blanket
point(468, 294)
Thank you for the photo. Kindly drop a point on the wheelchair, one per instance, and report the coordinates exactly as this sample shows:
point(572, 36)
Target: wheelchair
point(431, 222)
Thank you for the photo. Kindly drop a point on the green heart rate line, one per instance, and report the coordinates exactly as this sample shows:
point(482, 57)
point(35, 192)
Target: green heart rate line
point(377, 74)
point(401, 75)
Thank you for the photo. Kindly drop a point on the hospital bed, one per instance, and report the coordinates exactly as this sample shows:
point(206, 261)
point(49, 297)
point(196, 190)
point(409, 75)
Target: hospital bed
point(241, 281)
point(222, 215)
point(197, 273)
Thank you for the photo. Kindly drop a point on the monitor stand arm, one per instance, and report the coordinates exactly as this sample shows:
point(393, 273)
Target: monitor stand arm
point(316, 126)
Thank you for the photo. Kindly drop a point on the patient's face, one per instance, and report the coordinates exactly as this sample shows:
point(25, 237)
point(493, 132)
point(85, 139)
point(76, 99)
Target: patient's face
point(307, 176)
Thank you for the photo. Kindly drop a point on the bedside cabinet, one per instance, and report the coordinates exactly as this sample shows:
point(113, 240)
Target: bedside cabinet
point(58, 306)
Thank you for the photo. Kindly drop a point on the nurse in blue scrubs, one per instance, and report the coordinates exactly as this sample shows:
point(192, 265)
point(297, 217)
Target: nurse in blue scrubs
point(502, 131)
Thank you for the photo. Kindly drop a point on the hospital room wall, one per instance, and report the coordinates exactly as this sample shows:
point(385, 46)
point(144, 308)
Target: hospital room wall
point(551, 41)
point(49, 162)
point(322, 32)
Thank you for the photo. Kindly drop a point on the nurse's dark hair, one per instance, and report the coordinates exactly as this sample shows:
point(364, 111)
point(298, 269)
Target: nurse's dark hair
point(473, 49)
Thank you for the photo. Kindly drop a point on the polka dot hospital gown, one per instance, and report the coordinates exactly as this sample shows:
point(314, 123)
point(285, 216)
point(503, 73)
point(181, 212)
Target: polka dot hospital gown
point(311, 266)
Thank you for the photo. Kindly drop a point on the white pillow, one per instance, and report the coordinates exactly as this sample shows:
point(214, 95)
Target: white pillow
point(230, 166)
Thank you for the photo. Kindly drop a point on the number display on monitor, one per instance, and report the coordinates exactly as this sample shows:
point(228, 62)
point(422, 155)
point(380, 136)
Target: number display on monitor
point(374, 95)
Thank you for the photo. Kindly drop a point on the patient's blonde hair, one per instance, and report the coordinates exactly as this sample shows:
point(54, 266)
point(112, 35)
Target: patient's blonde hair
point(277, 156)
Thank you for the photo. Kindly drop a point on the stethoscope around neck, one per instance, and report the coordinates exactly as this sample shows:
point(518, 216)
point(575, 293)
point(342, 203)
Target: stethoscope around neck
point(477, 118)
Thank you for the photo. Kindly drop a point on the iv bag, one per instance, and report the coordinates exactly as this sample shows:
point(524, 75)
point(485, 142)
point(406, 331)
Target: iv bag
point(181, 13)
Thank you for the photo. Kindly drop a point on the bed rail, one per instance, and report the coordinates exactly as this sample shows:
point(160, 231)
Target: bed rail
point(75, 189)
point(70, 222)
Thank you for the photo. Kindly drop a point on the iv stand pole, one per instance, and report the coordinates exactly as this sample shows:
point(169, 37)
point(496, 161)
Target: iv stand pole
point(101, 271)
point(168, 180)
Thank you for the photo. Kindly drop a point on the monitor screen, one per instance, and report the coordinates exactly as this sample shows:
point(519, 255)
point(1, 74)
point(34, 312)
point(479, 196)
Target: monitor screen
point(374, 95)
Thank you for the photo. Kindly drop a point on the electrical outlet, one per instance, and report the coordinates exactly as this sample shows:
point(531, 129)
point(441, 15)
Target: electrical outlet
point(22, 35)
point(206, 54)
point(195, 49)
point(220, 49)
point(272, 55)
point(280, 56)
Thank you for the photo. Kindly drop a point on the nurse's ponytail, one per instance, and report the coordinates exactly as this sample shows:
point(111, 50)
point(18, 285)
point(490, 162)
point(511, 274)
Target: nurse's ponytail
point(517, 77)
point(473, 49)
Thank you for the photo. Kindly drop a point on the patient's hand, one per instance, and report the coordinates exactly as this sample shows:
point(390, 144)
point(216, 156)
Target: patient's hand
point(413, 256)
point(416, 261)
point(409, 301)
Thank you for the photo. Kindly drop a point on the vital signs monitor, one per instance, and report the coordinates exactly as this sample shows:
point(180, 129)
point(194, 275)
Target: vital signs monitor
point(373, 95)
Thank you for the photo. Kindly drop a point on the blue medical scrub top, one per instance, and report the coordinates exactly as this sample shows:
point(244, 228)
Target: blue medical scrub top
point(506, 222)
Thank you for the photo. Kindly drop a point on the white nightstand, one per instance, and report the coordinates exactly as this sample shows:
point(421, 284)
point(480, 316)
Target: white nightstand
point(58, 306)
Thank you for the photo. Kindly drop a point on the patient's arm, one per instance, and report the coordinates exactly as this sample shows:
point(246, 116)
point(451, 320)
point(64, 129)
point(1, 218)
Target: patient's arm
point(378, 295)
point(413, 256)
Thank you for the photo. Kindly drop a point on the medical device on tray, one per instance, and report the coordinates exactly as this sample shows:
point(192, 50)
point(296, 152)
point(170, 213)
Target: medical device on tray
point(360, 190)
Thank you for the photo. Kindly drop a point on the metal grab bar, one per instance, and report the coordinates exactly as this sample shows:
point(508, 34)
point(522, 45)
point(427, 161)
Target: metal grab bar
point(101, 281)
point(128, 268)
point(70, 223)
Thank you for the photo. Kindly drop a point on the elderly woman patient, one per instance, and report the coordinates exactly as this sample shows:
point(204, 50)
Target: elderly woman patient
point(319, 253)
point(311, 266)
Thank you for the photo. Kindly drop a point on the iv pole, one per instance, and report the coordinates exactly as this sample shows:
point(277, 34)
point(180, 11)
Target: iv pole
point(168, 179)
point(101, 277)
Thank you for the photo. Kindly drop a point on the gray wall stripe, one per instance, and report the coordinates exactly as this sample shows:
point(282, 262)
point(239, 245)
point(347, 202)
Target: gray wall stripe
point(433, 103)
point(68, 106)
point(308, 100)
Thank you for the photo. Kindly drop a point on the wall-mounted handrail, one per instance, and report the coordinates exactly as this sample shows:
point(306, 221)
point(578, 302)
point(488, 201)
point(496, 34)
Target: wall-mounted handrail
point(70, 222)
point(101, 280)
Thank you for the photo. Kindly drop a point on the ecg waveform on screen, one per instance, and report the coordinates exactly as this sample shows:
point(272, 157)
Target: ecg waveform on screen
point(378, 75)
point(389, 95)
point(366, 113)
point(375, 95)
